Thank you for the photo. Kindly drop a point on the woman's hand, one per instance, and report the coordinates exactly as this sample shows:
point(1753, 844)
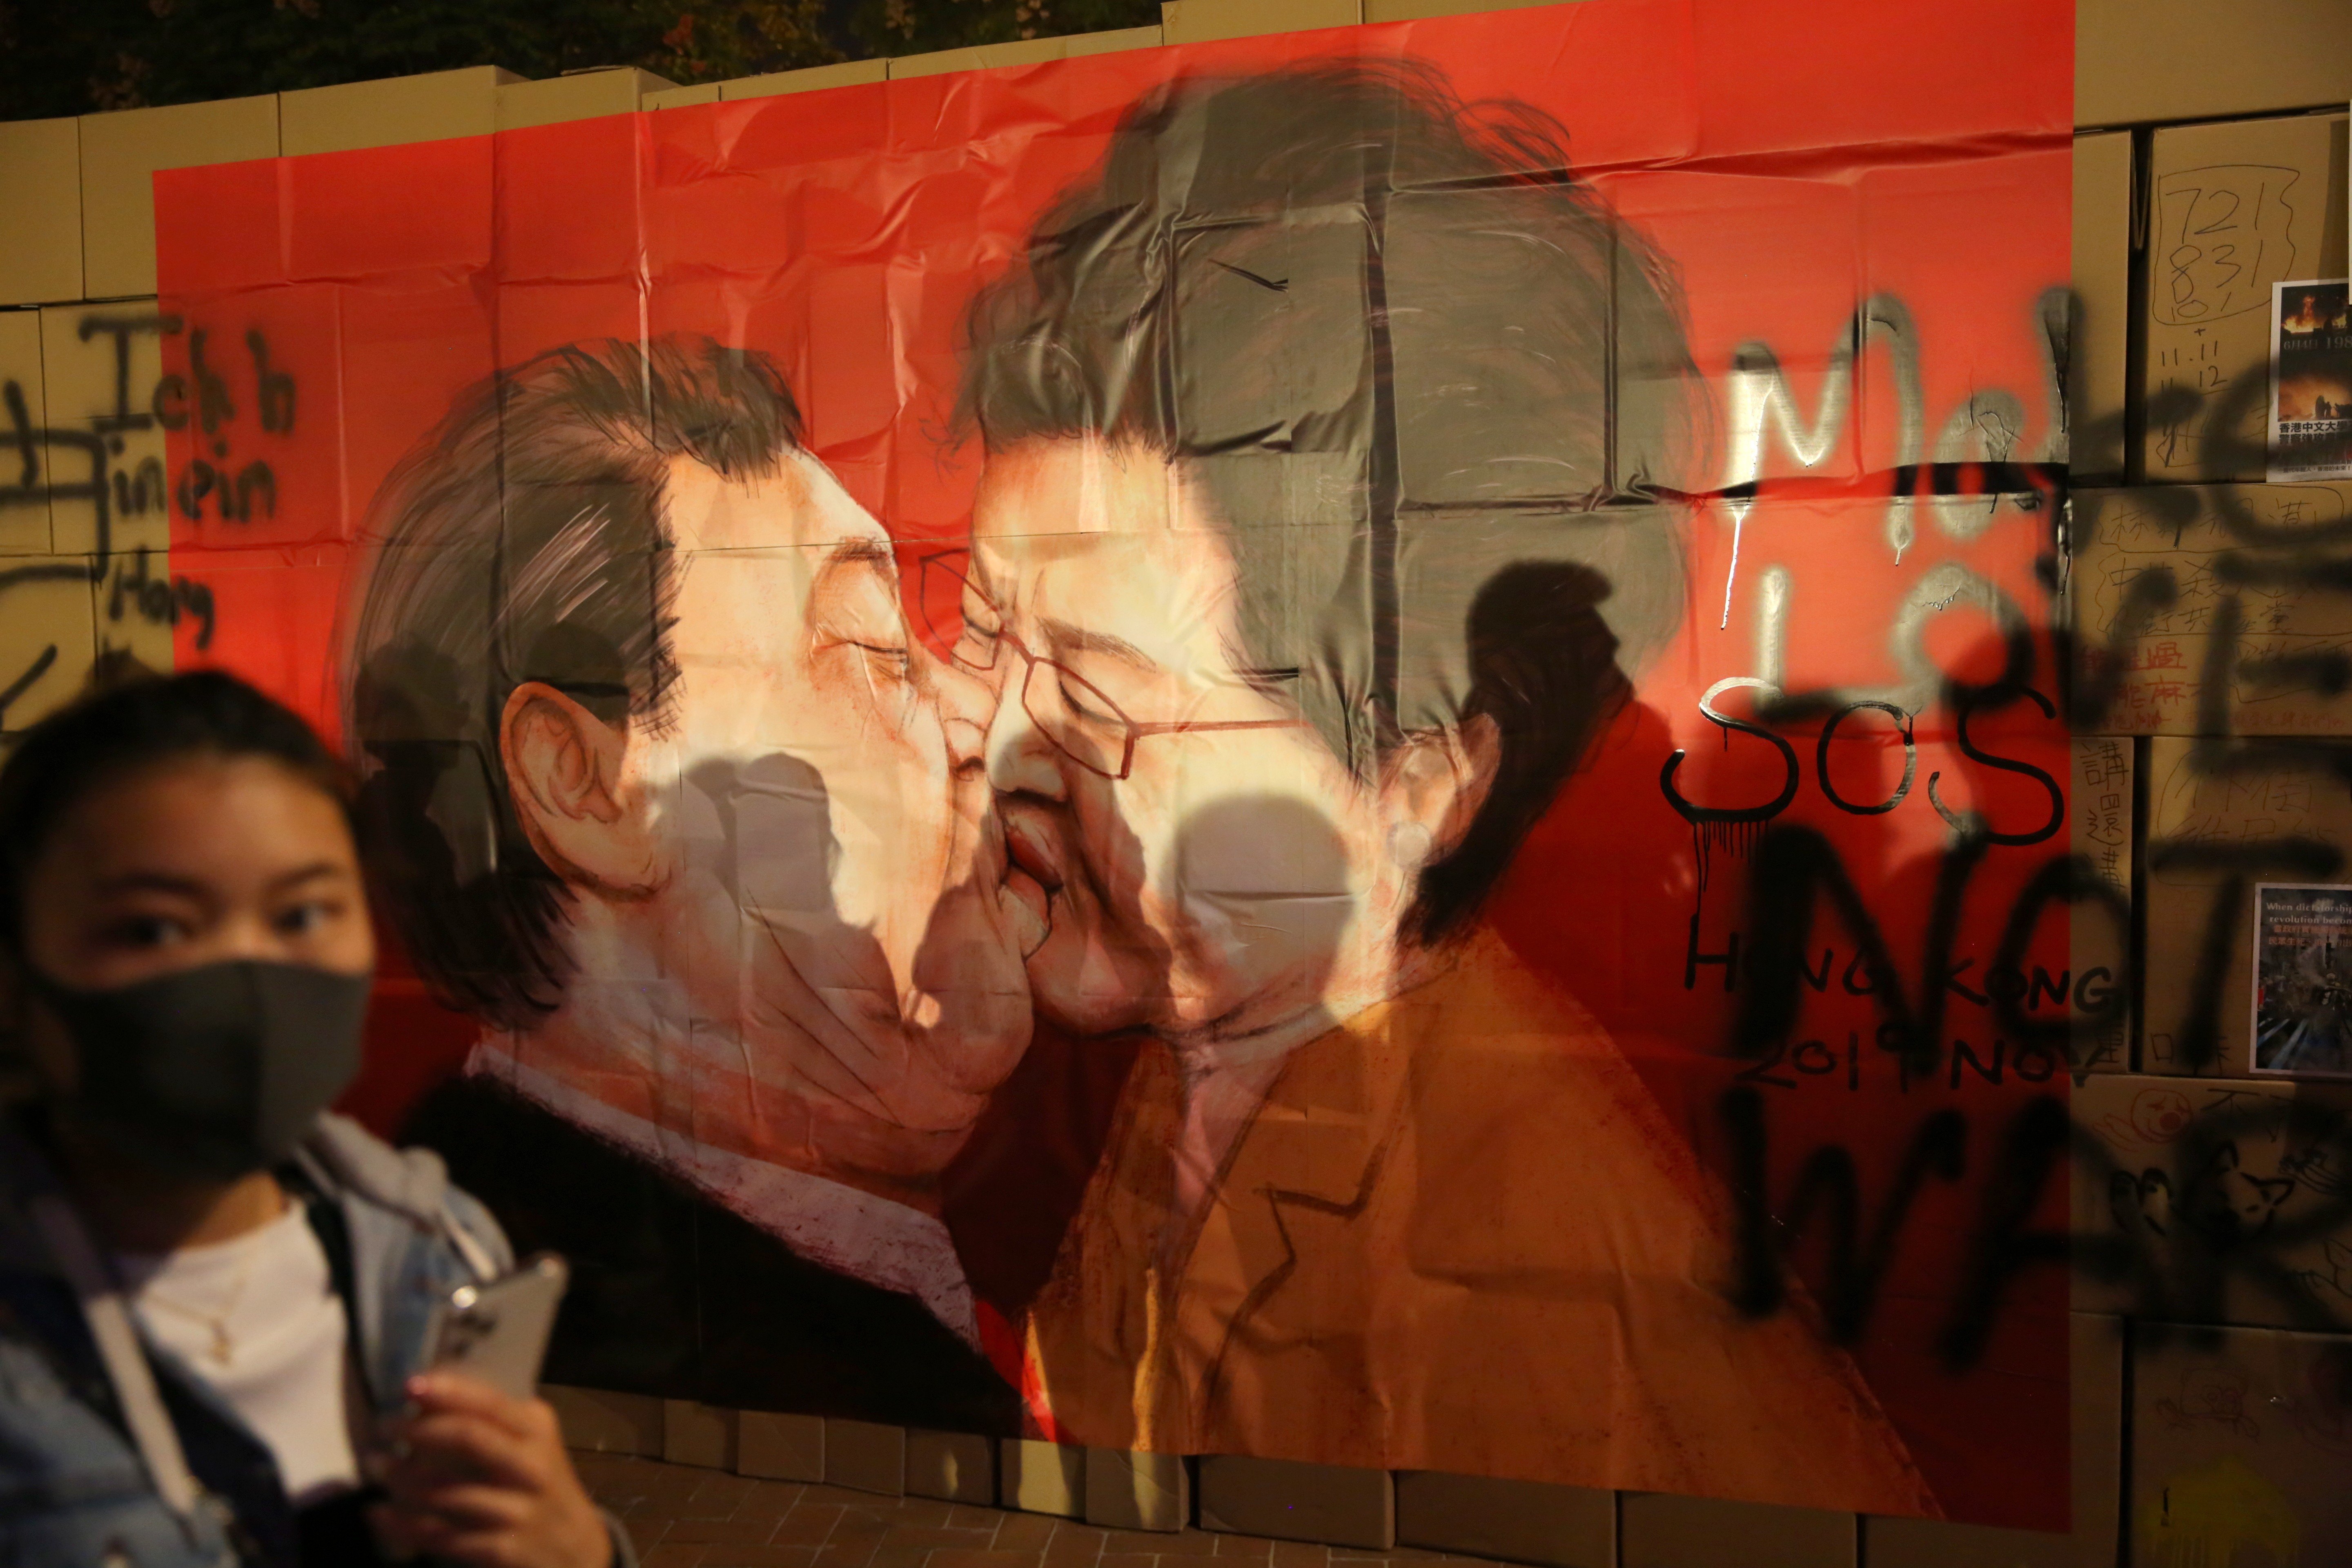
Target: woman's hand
point(483, 1479)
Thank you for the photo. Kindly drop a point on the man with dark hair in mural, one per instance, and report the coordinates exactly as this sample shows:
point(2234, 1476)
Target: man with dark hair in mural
point(669, 799)
point(1319, 527)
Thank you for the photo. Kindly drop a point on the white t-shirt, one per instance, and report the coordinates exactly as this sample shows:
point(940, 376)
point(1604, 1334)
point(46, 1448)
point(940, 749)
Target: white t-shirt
point(256, 1317)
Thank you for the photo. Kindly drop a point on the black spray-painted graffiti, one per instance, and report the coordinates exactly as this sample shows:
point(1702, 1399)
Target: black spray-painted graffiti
point(253, 486)
point(1975, 476)
point(1796, 870)
point(85, 464)
point(2182, 1237)
point(2267, 556)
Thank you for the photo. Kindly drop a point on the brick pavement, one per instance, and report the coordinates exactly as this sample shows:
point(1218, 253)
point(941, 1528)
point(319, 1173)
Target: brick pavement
point(686, 1518)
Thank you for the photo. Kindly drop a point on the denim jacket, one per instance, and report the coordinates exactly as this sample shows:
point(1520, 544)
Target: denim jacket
point(73, 1489)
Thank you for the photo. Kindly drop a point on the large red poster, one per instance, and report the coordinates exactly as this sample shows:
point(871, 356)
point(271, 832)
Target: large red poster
point(1338, 746)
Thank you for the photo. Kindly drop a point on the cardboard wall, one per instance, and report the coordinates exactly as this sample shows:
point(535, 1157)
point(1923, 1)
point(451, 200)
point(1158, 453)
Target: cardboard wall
point(24, 520)
point(850, 73)
point(40, 190)
point(581, 95)
point(2240, 1443)
point(2099, 365)
point(2214, 1201)
point(2100, 803)
point(2188, 598)
point(1022, 52)
point(119, 154)
point(2214, 834)
point(428, 108)
point(2232, 207)
point(2139, 62)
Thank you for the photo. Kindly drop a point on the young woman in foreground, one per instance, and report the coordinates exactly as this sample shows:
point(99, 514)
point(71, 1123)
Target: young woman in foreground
point(214, 1294)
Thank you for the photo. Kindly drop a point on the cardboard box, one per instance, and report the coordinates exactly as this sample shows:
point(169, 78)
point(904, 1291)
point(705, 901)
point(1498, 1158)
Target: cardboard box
point(40, 190)
point(1519, 1522)
point(578, 95)
point(2211, 837)
point(2099, 801)
point(2097, 362)
point(101, 368)
point(47, 638)
point(2239, 1444)
point(1138, 1491)
point(680, 96)
point(2204, 1200)
point(866, 1457)
point(2097, 1357)
point(431, 107)
point(954, 1466)
point(814, 79)
point(23, 500)
point(2257, 556)
point(1043, 1477)
point(119, 154)
point(780, 1448)
point(606, 1423)
point(1660, 1530)
point(2232, 208)
point(1335, 1504)
point(1203, 21)
point(2137, 61)
point(699, 1435)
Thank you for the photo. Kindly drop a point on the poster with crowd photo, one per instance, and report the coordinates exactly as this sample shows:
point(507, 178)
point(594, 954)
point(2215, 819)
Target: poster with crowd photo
point(1338, 746)
point(2302, 979)
point(2310, 381)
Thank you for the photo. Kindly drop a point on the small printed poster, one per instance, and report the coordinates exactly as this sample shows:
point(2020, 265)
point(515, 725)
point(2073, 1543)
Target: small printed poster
point(2302, 980)
point(2311, 382)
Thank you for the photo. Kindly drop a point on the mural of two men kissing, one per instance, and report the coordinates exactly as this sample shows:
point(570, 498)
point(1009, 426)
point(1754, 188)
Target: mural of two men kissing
point(1044, 817)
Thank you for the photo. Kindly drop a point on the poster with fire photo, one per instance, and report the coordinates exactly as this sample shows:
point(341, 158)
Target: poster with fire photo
point(2311, 382)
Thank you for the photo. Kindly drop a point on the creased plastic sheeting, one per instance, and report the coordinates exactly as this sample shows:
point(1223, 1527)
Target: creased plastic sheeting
point(1295, 747)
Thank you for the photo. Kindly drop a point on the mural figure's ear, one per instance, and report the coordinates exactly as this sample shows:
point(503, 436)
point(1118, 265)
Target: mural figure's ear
point(1433, 785)
point(566, 775)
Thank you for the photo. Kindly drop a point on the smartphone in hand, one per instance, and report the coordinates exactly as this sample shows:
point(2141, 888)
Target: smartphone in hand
point(497, 1333)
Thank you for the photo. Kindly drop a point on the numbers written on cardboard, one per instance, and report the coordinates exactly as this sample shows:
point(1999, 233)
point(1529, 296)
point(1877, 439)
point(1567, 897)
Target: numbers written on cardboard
point(2223, 239)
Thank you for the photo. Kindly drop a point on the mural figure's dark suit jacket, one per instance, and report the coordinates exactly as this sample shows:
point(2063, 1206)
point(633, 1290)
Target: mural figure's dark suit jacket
point(673, 1294)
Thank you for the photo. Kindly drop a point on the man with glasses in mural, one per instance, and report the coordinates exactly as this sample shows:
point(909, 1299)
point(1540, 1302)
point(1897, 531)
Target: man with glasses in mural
point(1307, 572)
point(668, 798)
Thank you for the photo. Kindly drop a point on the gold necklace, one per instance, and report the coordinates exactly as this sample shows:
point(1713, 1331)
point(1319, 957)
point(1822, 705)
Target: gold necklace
point(223, 1344)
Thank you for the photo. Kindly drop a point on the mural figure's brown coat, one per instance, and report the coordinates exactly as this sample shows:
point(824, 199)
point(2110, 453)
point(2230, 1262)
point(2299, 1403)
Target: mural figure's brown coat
point(1459, 1234)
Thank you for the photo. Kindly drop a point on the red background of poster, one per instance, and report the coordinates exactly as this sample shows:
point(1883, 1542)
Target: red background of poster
point(1791, 158)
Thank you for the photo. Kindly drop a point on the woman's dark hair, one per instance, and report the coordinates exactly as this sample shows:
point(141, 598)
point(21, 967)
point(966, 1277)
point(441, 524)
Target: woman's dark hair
point(133, 718)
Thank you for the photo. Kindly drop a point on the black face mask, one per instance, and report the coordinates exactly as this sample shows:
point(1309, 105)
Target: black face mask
point(212, 1072)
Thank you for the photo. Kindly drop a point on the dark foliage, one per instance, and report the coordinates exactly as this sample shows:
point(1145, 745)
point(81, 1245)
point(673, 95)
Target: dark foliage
point(77, 57)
